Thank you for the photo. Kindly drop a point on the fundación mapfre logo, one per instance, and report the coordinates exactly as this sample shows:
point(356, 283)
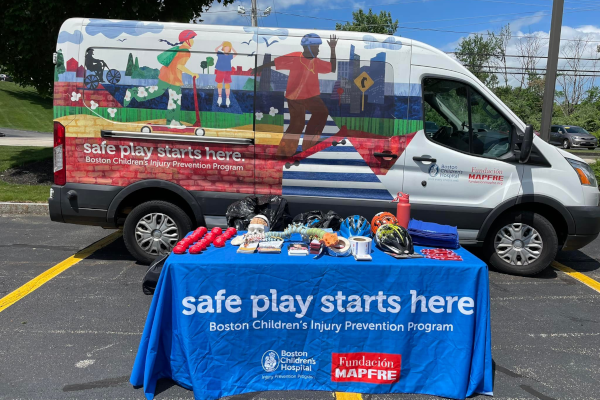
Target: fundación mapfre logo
point(270, 360)
point(380, 368)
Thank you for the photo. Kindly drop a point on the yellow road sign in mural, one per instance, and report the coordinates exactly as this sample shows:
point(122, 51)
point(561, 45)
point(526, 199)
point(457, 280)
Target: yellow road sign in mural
point(364, 82)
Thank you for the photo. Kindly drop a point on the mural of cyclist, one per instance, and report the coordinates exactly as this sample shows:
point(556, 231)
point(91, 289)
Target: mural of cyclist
point(303, 92)
point(169, 79)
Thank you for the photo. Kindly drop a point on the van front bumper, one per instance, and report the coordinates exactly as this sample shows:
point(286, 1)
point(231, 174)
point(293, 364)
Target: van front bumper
point(587, 227)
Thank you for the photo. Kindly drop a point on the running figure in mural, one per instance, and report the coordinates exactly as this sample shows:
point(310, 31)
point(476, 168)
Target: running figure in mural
point(223, 70)
point(303, 92)
point(169, 79)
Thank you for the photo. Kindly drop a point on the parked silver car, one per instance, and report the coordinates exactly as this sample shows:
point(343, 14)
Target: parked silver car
point(569, 136)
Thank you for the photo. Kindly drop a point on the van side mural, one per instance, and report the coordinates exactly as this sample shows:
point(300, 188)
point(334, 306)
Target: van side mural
point(310, 103)
point(170, 78)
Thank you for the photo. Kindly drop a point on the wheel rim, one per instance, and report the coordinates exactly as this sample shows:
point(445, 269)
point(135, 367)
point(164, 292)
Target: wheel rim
point(566, 144)
point(518, 244)
point(156, 233)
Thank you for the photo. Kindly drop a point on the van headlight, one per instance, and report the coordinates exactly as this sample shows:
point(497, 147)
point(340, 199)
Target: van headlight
point(584, 172)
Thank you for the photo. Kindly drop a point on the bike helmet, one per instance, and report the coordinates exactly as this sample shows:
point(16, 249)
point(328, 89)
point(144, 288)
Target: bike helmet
point(394, 238)
point(355, 225)
point(310, 39)
point(381, 219)
point(187, 35)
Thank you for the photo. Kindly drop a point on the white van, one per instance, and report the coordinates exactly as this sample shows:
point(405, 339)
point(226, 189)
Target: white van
point(159, 127)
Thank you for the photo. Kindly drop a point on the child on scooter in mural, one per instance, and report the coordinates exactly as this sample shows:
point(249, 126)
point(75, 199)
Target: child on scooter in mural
point(223, 70)
point(170, 78)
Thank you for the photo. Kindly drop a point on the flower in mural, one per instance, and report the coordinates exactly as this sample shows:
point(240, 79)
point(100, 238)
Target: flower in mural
point(142, 92)
point(273, 111)
point(112, 112)
point(128, 96)
point(93, 105)
point(174, 100)
point(259, 115)
point(152, 89)
point(75, 96)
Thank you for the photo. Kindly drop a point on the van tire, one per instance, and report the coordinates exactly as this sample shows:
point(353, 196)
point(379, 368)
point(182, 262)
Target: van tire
point(154, 214)
point(507, 226)
point(566, 144)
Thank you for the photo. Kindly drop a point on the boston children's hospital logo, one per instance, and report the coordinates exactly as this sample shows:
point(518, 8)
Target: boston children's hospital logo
point(270, 361)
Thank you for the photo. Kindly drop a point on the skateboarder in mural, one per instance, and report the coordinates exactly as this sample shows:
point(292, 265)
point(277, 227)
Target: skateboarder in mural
point(169, 79)
point(223, 70)
point(303, 92)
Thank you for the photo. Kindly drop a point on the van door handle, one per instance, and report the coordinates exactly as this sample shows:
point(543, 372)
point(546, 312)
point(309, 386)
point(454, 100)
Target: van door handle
point(427, 158)
point(389, 155)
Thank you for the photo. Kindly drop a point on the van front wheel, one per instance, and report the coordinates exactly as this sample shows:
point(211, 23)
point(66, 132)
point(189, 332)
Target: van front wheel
point(522, 243)
point(153, 228)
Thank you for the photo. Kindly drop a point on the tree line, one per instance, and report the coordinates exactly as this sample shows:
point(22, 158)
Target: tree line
point(518, 79)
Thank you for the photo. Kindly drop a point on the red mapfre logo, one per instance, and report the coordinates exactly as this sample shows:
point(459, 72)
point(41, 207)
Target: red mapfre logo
point(365, 367)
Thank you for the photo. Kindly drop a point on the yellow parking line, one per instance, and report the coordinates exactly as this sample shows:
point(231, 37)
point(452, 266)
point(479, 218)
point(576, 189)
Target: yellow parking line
point(577, 275)
point(348, 396)
point(44, 277)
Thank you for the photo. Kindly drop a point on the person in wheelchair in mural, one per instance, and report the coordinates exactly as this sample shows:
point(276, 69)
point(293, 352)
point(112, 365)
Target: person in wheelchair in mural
point(303, 92)
point(94, 65)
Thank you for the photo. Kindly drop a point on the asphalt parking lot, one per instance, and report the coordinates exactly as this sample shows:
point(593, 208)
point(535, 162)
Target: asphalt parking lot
point(76, 336)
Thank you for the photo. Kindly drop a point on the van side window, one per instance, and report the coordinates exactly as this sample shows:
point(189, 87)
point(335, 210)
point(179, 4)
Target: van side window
point(554, 129)
point(464, 119)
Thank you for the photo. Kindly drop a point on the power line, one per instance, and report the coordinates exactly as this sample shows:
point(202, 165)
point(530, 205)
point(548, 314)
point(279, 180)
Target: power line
point(523, 56)
point(432, 29)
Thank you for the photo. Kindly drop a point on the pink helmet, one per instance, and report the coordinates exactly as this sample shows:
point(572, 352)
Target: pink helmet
point(187, 35)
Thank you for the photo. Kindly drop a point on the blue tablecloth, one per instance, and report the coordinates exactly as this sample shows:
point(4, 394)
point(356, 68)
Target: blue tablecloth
point(223, 323)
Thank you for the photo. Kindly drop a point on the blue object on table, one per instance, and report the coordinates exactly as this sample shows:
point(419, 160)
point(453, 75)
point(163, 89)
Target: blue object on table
point(433, 235)
point(214, 328)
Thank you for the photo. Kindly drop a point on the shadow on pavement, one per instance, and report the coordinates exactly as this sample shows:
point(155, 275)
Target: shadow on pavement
point(578, 260)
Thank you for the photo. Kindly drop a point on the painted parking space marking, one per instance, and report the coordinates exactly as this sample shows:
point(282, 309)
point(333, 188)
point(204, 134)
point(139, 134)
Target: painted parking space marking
point(59, 268)
point(586, 280)
point(348, 396)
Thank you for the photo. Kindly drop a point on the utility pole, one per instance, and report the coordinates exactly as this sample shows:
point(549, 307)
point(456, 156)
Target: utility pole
point(254, 13)
point(551, 66)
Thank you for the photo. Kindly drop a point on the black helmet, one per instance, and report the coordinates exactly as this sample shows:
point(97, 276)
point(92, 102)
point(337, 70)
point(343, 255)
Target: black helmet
point(394, 238)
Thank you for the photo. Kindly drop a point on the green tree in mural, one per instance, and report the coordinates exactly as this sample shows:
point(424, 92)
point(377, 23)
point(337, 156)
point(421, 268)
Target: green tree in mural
point(136, 66)
point(203, 65)
point(370, 22)
point(60, 65)
point(129, 69)
point(209, 63)
point(29, 29)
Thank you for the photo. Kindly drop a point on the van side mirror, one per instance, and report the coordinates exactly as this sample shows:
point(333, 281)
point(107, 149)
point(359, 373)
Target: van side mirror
point(526, 144)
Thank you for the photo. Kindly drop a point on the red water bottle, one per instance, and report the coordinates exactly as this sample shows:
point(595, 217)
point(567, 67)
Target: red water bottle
point(402, 209)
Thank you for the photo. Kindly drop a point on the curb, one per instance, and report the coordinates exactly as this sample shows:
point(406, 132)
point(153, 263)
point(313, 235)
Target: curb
point(24, 209)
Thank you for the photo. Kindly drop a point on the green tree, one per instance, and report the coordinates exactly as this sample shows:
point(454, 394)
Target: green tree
point(203, 65)
point(136, 65)
point(60, 65)
point(479, 54)
point(129, 69)
point(209, 63)
point(370, 22)
point(29, 29)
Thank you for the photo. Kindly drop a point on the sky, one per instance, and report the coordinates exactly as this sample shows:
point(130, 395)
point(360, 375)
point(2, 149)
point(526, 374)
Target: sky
point(440, 23)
